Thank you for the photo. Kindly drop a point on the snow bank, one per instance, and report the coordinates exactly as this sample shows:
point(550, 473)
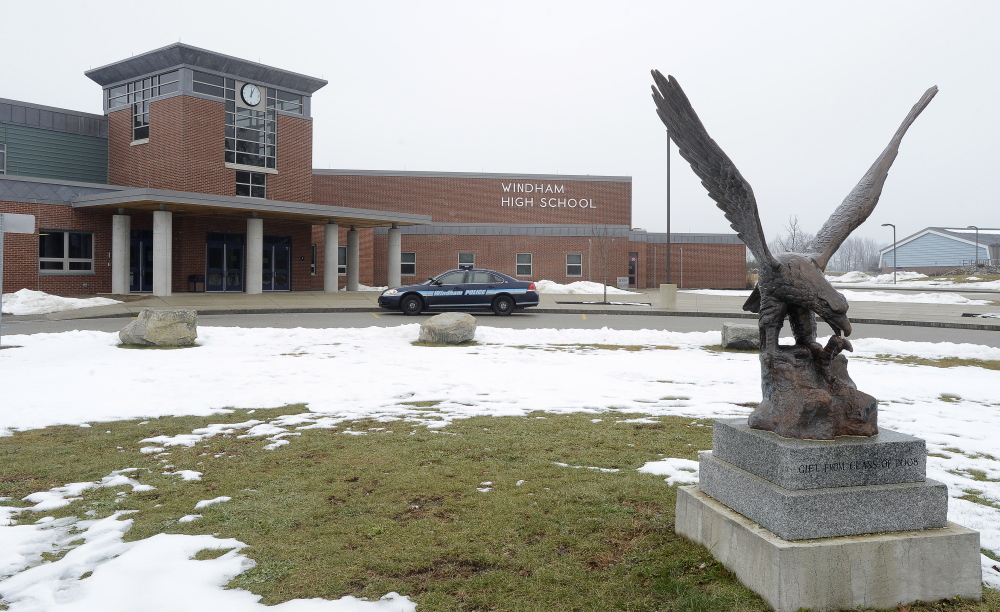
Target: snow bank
point(576, 288)
point(881, 279)
point(28, 302)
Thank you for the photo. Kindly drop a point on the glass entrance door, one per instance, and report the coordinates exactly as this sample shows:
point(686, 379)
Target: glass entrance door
point(141, 261)
point(277, 272)
point(224, 262)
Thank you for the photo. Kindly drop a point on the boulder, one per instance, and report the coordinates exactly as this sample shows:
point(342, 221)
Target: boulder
point(448, 328)
point(161, 328)
point(740, 336)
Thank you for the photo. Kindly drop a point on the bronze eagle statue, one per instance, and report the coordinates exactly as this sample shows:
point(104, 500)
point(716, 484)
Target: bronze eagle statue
point(789, 285)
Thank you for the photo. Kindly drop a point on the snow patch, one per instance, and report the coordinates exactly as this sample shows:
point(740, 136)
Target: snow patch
point(28, 302)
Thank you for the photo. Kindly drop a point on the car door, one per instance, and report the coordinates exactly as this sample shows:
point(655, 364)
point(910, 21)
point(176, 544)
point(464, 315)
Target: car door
point(480, 286)
point(447, 290)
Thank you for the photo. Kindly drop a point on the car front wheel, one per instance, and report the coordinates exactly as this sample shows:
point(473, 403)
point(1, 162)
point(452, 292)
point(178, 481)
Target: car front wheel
point(411, 305)
point(503, 306)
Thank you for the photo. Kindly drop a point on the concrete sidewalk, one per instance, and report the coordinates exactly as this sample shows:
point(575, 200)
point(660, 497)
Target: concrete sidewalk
point(638, 303)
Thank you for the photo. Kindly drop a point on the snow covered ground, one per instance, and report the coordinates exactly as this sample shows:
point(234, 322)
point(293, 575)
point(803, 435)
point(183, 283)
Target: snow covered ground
point(576, 288)
point(26, 302)
point(955, 410)
point(911, 280)
point(870, 296)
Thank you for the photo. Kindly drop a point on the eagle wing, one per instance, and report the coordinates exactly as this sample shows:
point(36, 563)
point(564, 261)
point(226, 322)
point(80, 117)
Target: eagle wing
point(720, 177)
point(860, 203)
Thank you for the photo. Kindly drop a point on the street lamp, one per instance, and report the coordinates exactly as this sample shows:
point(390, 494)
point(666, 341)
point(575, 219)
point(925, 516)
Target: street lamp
point(893, 250)
point(975, 261)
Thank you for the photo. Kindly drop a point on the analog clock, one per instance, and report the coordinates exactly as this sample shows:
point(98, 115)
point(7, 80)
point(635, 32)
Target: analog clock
point(250, 94)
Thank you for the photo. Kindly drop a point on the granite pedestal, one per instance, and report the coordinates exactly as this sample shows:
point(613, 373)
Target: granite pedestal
point(878, 571)
point(801, 489)
point(828, 524)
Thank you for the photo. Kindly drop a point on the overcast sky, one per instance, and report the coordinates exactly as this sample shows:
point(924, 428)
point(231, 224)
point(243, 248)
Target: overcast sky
point(803, 96)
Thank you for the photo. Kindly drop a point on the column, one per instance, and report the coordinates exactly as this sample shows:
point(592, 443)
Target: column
point(163, 226)
point(121, 241)
point(331, 246)
point(395, 257)
point(353, 258)
point(255, 256)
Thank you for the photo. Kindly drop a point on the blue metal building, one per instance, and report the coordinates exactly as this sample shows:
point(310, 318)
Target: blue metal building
point(938, 249)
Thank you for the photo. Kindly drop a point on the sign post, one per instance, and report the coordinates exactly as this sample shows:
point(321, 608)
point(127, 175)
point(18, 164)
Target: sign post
point(15, 224)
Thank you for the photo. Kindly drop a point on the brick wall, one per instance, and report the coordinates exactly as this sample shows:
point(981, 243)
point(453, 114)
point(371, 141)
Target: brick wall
point(293, 183)
point(693, 266)
point(20, 265)
point(479, 200)
point(185, 151)
point(437, 254)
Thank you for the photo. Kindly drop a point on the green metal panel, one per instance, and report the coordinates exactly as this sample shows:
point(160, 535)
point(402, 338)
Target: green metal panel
point(57, 155)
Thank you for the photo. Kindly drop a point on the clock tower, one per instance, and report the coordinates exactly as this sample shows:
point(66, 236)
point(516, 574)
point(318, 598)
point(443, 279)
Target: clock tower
point(187, 119)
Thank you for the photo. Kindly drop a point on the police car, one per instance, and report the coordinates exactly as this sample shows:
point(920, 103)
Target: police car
point(463, 289)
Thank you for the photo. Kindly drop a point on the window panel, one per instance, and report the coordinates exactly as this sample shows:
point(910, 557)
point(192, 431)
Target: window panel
point(408, 264)
point(61, 251)
point(3, 159)
point(452, 278)
point(574, 264)
point(50, 244)
point(210, 79)
point(251, 184)
point(342, 260)
point(523, 264)
point(467, 259)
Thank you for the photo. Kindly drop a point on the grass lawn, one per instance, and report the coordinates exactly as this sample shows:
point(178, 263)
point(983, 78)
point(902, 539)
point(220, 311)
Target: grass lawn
point(476, 515)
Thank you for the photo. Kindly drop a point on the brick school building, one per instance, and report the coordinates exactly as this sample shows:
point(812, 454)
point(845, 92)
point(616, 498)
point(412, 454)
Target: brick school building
point(198, 177)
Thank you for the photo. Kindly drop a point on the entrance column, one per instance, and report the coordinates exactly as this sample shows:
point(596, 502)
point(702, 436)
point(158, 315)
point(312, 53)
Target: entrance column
point(255, 256)
point(353, 258)
point(121, 242)
point(394, 277)
point(163, 229)
point(331, 259)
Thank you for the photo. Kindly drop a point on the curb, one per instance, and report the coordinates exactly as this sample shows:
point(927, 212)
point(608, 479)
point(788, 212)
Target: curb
point(655, 313)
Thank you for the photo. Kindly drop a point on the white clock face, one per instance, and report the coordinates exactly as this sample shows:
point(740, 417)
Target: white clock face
point(250, 94)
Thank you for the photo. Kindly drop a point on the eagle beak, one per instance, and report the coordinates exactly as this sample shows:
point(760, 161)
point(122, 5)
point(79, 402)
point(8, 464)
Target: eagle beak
point(839, 323)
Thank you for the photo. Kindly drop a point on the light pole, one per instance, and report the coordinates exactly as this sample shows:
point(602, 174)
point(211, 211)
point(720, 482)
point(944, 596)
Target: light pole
point(668, 208)
point(893, 250)
point(975, 261)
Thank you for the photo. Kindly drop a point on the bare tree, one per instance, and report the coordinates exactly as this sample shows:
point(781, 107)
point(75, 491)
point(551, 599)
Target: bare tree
point(795, 240)
point(857, 253)
point(603, 241)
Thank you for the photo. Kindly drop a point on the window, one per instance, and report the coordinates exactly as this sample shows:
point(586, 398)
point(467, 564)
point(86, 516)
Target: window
point(523, 264)
point(214, 85)
point(250, 136)
point(407, 264)
point(3, 158)
point(452, 278)
point(467, 259)
point(138, 94)
point(312, 260)
point(342, 260)
point(62, 252)
point(484, 278)
point(574, 264)
point(284, 101)
point(252, 184)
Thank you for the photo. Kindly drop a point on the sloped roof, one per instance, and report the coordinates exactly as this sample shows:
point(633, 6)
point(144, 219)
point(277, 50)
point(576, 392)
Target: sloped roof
point(179, 54)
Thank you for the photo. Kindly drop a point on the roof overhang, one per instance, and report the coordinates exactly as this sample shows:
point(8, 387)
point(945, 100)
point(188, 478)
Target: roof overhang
point(179, 54)
point(202, 204)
